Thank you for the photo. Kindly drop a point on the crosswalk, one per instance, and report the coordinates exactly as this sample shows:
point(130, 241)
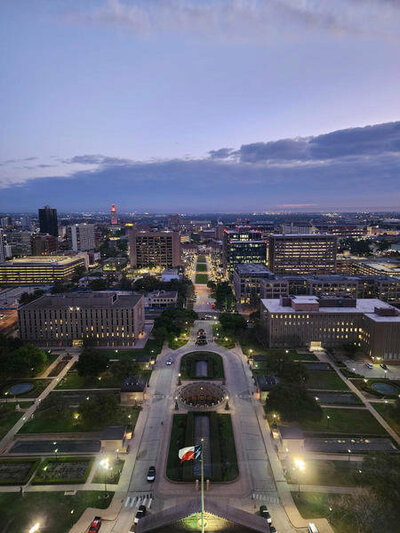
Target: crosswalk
point(270, 497)
point(134, 501)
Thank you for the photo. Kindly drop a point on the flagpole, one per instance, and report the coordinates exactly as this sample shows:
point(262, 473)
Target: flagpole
point(202, 487)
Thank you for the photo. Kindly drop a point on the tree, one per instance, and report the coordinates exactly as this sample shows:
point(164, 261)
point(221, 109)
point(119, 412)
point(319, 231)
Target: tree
point(60, 287)
point(290, 371)
point(79, 271)
point(125, 284)
point(124, 369)
point(232, 322)
point(98, 284)
point(27, 297)
point(99, 407)
point(27, 360)
point(293, 403)
point(224, 297)
point(91, 363)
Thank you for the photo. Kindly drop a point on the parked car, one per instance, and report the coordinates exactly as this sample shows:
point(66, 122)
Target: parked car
point(140, 514)
point(95, 525)
point(272, 529)
point(265, 513)
point(151, 473)
point(369, 365)
point(168, 362)
point(382, 365)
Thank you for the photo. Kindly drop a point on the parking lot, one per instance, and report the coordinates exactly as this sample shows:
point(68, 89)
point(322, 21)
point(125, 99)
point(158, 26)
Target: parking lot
point(393, 371)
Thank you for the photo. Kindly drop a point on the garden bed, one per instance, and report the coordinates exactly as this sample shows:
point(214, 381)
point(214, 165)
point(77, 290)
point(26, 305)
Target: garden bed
point(214, 364)
point(17, 471)
point(63, 470)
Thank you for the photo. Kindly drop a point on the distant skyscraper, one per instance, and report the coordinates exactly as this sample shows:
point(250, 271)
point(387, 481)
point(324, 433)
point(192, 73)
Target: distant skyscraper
point(48, 221)
point(174, 222)
point(114, 220)
point(82, 237)
point(26, 223)
point(2, 248)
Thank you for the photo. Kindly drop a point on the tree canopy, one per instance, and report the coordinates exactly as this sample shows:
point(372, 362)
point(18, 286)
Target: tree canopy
point(293, 403)
point(27, 360)
point(91, 363)
point(232, 322)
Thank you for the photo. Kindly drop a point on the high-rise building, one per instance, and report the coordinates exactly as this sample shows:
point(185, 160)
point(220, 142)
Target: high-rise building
point(2, 248)
point(157, 248)
point(48, 221)
point(44, 244)
point(302, 254)
point(82, 237)
point(310, 321)
point(26, 223)
point(174, 222)
point(247, 281)
point(6, 222)
point(104, 318)
point(243, 245)
point(114, 219)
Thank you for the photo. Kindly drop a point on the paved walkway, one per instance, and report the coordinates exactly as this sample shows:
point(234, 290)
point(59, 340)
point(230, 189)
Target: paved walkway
point(323, 357)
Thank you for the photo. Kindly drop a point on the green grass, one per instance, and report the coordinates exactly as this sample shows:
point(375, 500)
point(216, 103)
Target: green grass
point(38, 387)
point(47, 422)
point(317, 504)
point(177, 342)
point(177, 441)
point(51, 509)
point(8, 417)
point(387, 412)
point(63, 470)
point(215, 365)
point(17, 471)
point(342, 421)
point(325, 472)
point(222, 339)
point(112, 476)
point(153, 347)
point(201, 278)
point(201, 259)
point(25, 405)
point(72, 380)
point(325, 379)
point(201, 267)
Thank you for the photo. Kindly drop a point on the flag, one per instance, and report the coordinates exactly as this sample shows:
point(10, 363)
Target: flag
point(189, 453)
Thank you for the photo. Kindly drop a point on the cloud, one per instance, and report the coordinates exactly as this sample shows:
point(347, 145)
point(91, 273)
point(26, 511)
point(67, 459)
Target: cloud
point(245, 19)
point(345, 169)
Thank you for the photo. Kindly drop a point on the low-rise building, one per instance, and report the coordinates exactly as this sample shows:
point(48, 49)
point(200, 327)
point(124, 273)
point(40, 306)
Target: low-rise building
point(170, 274)
point(247, 279)
point(133, 390)
point(113, 439)
point(40, 270)
point(264, 385)
point(289, 439)
point(106, 318)
point(162, 299)
point(310, 321)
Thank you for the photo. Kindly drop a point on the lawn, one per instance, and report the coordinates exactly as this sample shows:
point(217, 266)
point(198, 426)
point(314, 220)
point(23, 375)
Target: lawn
point(46, 421)
point(177, 342)
point(215, 365)
point(72, 380)
point(387, 412)
point(316, 505)
point(325, 379)
point(325, 472)
point(201, 259)
point(38, 387)
point(8, 417)
point(177, 441)
point(153, 347)
point(63, 470)
point(201, 267)
point(227, 341)
point(17, 471)
point(55, 512)
point(201, 278)
point(350, 421)
point(113, 474)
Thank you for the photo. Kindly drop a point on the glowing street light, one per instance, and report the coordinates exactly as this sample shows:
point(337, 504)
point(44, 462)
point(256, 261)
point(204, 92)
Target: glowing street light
point(105, 465)
point(35, 528)
point(300, 466)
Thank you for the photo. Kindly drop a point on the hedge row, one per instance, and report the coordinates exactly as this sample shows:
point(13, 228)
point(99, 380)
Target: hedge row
point(21, 481)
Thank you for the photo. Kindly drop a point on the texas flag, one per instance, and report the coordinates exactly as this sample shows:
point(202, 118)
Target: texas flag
point(189, 453)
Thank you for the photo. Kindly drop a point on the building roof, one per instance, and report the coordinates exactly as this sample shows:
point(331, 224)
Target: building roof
point(113, 433)
point(134, 384)
point(291, 432)
point(157, 522)
point(43, 260)
point(362, 306)
point(85, 299)
point(303, 236)
point(253, 268)
point(163, 294)
point(266, 383)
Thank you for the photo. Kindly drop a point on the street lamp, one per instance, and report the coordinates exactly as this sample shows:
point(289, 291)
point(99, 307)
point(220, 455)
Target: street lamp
point(300, 466)
point(105, 465)
point(227, 403)
point(328, 418)
point(179, 379)
point(349, 451)
point(34, 528)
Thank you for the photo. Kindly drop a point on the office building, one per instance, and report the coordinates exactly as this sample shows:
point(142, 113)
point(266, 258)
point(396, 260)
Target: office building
point(304, 228)
point(107, 318)
point(376, 267)
point(342, 231)
point(82, 237)
point(26, 223)
point(48, 221)
point(302, 254)
point(6, 222)
point(174, 222)
point(247, 278)
point(243, 245)
point(309, 321)
point(44, 244)
point(2, 248)
point(40, 270)
point(114, 219)
point(154, 248)
point(20, 242)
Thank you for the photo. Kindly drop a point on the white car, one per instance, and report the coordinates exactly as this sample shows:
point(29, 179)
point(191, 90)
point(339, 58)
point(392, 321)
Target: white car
point(168, 362)
point(369, 365)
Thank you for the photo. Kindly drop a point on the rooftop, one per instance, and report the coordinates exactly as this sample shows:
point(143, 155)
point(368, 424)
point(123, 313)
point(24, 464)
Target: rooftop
point(253, 268)
point(49, 259)
point(291, 432)
point(95, 299)
point(113, 433)
point(266, 383)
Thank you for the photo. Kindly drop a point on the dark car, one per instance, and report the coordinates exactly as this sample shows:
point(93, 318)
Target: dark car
point(272, 529)
point(140, 514)
point(382, 365)
point(95, 525)
point(265, 513)
point(201, 332)
point(151, 473)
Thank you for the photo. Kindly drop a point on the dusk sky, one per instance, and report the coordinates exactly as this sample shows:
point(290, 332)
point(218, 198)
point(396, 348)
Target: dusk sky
point(200, 105)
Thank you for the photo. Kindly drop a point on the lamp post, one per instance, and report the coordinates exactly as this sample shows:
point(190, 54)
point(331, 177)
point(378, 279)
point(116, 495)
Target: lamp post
point(179, 379)
point(34, 528)
point(227, 403)
point(300, 466)
point(105, 465)
point(328, 418)
point(349, 451)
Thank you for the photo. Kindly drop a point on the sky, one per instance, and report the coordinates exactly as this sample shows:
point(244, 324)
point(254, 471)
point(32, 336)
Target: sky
point(200, 105)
